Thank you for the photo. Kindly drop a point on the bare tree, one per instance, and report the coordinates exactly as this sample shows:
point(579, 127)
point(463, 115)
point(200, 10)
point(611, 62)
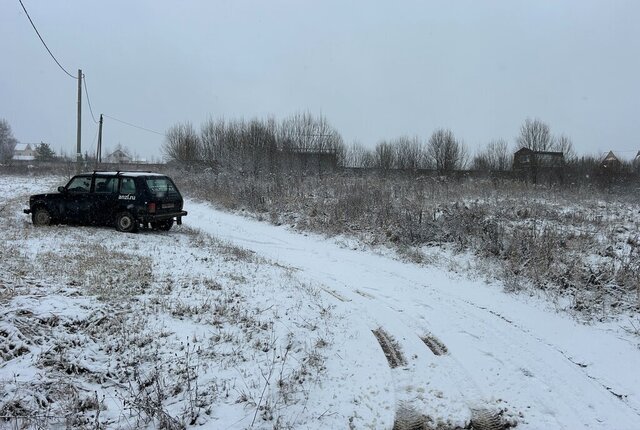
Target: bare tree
point(261, 146)
point(499, 155)
point(495, 157)
point(535, 135)
point(212, 141)
point(340, 150)
point(309, 142)
point(409, 153)
point(359, 156)
point(304, 132)
point(563, 144)
point(258, 146)
point(182, 144)
point(385, 155)
point(7, 141)
point(446, 153)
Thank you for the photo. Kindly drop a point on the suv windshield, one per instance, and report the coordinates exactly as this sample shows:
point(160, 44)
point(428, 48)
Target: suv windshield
point(79, 184)
point(161, 187)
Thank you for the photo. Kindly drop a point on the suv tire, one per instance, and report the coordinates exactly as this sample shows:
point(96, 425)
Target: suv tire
point(125, 222)
point(40, 217)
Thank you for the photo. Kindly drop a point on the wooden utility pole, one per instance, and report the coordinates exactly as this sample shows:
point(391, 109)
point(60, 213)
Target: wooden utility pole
point(99, 154)
point(79, 132)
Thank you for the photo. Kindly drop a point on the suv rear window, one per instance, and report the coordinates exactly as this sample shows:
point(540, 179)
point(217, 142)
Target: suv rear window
point(161, 187)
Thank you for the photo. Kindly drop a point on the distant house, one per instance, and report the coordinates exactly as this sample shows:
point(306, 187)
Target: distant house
point(24, 152)
point(316, 160)
point(610, 163)
point(539, 166)
point(118, 156)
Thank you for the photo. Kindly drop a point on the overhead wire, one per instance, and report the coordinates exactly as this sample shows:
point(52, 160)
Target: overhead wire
point(135, 126)
point(86, 91)
point(83, 77)
point(43, 42)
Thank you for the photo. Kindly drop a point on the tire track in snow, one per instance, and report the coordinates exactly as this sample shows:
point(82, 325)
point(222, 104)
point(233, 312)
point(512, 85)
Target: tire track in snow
point(582, 366)
point(390, 348)
point(539, 364)
point(435, 345)
point(468, 408)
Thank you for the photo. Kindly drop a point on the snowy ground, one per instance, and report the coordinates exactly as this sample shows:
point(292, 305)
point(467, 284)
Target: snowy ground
point(227, 322)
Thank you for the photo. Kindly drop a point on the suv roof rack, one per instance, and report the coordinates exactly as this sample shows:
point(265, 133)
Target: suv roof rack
point(122, 172)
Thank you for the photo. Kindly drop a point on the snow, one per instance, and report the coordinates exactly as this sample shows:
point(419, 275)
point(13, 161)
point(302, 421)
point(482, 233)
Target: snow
point(276, 327)
point(557, 373)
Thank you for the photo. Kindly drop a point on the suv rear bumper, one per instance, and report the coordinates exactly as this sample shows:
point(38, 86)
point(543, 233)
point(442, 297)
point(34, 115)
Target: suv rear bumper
point(163, 217)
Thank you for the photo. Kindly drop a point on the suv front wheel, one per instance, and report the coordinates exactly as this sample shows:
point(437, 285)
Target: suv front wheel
point(126, 223)
point(41, 216)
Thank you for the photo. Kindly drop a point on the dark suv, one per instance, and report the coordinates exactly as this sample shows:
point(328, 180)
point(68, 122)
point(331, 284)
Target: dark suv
point(126, 199)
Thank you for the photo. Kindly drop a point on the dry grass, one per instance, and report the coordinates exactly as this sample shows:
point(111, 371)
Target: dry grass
point(106, 312)
point(576, 244)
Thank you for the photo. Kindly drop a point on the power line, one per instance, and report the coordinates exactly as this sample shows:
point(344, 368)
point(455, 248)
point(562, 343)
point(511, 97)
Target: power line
point(83, 77)
point(43, 42)
point(135, 126)
point(86, 91)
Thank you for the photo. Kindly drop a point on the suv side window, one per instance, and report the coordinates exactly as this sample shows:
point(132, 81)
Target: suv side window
point(79, 184)
point(127, 186)
point(105, 185)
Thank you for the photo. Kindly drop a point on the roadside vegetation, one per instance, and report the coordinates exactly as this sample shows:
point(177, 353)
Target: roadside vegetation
point(578, 246)
point(154, 330)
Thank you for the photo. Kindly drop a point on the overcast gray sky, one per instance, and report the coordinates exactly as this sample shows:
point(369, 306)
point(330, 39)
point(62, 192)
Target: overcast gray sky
point(376, 70)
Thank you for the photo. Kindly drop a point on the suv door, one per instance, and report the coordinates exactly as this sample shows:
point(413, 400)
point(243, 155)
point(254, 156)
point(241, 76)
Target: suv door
point(127, 193)
point(104, 199)
point(77, 204)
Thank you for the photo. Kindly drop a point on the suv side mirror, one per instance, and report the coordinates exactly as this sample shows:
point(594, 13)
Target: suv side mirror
point(62, 189)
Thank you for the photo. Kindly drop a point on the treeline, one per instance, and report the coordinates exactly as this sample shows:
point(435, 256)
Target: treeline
point(303, 141)
point(255, 146)
point(442, 152)
point(259, 146)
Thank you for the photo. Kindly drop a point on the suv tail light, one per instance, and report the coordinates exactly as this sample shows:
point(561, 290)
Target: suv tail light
point(151, 208)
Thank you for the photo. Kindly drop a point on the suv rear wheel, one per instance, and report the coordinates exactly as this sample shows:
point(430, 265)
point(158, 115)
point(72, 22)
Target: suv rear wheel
point(41, 216)
point(126, 223)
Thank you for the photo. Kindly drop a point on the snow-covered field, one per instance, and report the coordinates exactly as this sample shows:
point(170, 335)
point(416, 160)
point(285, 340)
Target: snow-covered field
point(227, 322)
